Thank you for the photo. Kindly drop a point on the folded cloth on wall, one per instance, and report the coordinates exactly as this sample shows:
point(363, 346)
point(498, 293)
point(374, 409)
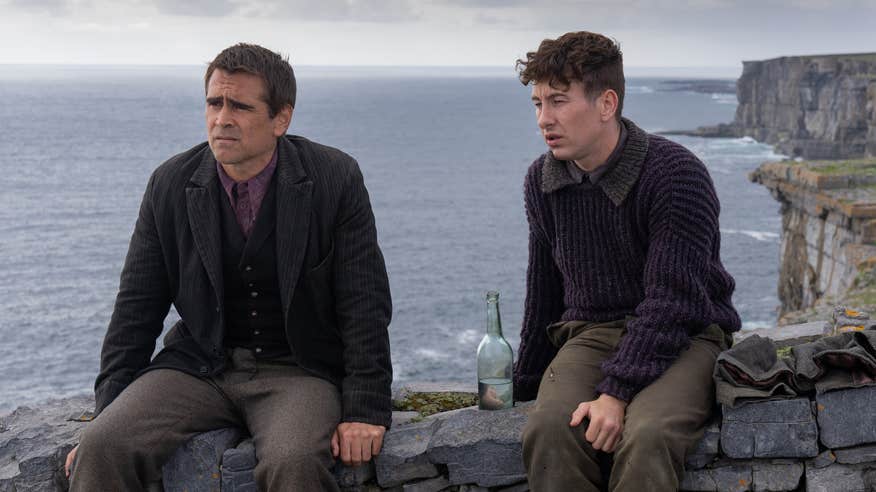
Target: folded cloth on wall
point(751, 369)
point(847, 360)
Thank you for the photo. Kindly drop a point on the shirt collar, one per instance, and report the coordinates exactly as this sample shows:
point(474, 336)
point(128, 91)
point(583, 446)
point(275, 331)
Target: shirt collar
point(616, 181)
point(259, 181)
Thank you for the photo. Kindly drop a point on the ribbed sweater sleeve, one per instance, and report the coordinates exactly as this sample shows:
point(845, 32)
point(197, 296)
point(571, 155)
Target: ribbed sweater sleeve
point(681, 213)
point(544, 294)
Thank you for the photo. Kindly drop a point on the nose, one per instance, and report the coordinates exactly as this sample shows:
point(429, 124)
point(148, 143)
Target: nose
point(544, 117)
point(223, 116)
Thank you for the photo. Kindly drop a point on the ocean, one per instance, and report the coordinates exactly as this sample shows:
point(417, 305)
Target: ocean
point(443, 151)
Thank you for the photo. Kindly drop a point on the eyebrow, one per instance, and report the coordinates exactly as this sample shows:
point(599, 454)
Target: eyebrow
point(233, 102)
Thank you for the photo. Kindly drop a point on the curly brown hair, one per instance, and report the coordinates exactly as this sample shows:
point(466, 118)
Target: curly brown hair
point(255, 60)
point(590, 58)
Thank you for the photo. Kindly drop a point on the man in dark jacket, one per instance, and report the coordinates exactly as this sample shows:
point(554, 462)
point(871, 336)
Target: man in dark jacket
point(627, 302)
point(266, 245)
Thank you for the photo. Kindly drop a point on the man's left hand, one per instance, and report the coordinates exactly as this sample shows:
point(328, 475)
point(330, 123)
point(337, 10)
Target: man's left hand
point(606, 415)
point(356, 442)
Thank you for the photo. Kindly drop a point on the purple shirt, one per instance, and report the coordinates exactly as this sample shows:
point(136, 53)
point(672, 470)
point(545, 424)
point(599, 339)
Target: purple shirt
point(246, 196)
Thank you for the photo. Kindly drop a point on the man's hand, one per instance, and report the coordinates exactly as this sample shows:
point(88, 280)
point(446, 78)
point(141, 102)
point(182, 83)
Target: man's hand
point(606, 415)
point(356, 442)
point(69, 463)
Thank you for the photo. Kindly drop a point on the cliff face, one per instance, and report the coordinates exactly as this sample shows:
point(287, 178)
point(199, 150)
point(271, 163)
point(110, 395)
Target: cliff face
point(828, 230)
point(816, 107)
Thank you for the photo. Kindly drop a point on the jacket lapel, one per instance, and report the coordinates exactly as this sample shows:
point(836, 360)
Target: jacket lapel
point(294, 192)
point(202, 207)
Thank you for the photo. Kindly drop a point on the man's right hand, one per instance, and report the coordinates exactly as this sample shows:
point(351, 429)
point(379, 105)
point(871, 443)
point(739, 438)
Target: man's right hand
point(68, 465)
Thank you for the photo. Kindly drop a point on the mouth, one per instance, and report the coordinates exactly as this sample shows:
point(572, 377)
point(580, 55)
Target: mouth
point(221, 139)
point(552, 139)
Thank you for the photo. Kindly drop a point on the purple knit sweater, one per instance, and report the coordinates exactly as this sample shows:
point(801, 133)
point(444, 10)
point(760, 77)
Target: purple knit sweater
point(643, 242)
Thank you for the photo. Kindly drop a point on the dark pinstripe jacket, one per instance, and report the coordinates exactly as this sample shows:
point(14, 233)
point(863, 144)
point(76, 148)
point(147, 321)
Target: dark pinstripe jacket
point(333, 284)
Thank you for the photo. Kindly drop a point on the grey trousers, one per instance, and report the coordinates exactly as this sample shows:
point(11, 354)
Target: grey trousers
point(661, 422)
point(290, 414)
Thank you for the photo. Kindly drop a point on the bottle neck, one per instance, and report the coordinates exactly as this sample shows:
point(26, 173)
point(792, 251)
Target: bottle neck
point(494, 323)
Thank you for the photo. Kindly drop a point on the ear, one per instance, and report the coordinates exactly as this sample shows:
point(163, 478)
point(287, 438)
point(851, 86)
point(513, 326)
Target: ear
point(282, 120)
point(607, 105)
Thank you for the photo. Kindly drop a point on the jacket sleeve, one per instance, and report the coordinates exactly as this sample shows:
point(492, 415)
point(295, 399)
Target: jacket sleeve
point(141, 305)
point(544, 296)
point(363, 308)
point(683, 229)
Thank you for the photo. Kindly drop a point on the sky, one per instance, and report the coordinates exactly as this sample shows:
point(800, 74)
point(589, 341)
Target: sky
point(652, 33)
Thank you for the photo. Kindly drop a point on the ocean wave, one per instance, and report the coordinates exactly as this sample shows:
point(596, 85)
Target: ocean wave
point(724, 98)
point(639, 89)
point(431, 354)
point(759, 235)
point(757, 324)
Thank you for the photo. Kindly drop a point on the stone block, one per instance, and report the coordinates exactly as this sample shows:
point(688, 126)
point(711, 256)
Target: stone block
point(706, 449)
point(403, 457)
point(845, 417)
point(770, 429)
point(34, 443)
point(429, 485)
point(837, 477)
point(520, 487)
point(757, 475)
point(826, 458)
point(481, 447)
point(859, 454)
point(403, 418)
point(195, 466)
point(238, 468)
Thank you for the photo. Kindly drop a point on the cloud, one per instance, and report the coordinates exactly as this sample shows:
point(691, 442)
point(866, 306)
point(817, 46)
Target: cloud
point(197, 8)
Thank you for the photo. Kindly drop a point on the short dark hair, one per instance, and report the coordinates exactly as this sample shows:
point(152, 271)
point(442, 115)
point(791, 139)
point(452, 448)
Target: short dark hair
point(590, 58)
point(270, 66)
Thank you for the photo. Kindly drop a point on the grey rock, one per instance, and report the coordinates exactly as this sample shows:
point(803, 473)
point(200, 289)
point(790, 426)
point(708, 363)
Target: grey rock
point(835, 477)
point(706, 449)
point(472, 488)
point(853, 456)
point(826, 458)
point(481, 447)
point(238, 468)
point(34, 443)
point(771, 429)
point(845, 417)
point(352, 476)
point(698, 481)
point(776, 476)
point(428, 485)
point(195, 466)
point(732, 478)
point(403, 418)
point(403, 457)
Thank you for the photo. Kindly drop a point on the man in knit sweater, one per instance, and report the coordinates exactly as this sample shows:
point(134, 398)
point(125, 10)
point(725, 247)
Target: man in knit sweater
point(627, 304)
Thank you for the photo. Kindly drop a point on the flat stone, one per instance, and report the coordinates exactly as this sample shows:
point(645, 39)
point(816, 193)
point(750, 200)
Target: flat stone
point(732, 478)
point(520, 487)
point(706, 449)
point(472, 488)
point(34, 443)
point(770, 429)
point(845, 417)
point(403, 418)
point(826, 458)
point(481, 447)
point(698, 481)
point(238, 468)
point(776, 476)
point(859, 454)
point(429, 485)
point(195, 466)
point(403, 457)
point(836, 477)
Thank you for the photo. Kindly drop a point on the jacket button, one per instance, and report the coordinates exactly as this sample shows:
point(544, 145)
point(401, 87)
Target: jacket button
point(217, 309)
point(204, 370)
point(248, 268)
point(254, 294)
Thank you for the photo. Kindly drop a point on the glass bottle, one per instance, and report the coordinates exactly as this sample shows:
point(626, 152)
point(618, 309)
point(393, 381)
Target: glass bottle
point(495, 388)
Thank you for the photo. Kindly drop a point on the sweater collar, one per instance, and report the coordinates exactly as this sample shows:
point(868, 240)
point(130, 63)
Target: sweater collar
point(618, 181)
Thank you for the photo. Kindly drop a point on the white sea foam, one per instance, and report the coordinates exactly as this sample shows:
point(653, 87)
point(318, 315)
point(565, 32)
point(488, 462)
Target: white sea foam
point(759, 235)
point(757, 324)
point(724, 98)
point(639, 89)
point(430, 354)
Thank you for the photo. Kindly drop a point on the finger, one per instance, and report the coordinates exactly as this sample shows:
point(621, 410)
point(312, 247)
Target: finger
point(593, 429)
point(335, 446)
point(579, 414)
point(599, 443)
point(69, 462)
point(356, 451)
point(366, 450)
point(346, 451)
point(611, 444)
point(376, 445)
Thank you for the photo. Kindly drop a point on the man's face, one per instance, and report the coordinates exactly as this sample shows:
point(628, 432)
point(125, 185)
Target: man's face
point(572, 123)
point(240, 131)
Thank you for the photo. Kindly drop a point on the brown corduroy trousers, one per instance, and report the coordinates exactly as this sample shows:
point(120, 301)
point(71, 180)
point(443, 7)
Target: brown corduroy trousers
point(661, 422)
point(290, 414)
